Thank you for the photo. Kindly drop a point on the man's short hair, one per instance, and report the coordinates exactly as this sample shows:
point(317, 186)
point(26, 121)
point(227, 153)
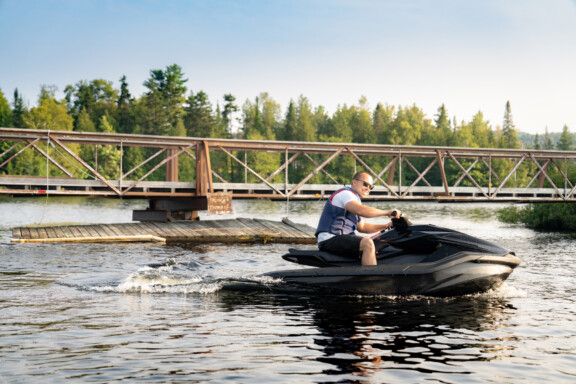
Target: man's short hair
point(358, 174)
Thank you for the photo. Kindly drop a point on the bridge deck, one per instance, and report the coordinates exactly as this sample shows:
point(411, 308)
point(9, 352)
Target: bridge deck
point(26, 186)
point(401, 172)
point(239, 230)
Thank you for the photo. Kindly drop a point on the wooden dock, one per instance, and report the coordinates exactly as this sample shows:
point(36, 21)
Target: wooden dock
point(240, 230)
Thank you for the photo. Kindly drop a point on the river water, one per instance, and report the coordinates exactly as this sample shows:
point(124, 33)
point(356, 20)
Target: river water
point(104, 313)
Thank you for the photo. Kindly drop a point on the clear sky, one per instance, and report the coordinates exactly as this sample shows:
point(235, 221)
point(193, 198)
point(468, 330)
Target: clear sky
point(469, 55)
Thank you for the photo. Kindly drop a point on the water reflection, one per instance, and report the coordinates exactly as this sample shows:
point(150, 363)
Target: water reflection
point(363, 336)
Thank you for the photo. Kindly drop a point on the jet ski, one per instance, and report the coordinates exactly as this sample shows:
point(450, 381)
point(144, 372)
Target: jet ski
point(412, 260)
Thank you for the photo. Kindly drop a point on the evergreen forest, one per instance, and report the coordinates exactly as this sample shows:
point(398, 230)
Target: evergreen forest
point(169, 107)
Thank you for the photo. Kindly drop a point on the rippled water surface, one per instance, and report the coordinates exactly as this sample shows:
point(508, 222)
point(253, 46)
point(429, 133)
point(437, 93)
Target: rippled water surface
point(117, 312)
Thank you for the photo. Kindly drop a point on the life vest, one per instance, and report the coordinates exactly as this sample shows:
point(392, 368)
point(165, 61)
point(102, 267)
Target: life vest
point(336, 220)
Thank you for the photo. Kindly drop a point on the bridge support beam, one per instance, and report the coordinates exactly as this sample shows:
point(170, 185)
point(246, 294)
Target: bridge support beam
point(182, 209)
point(172, 165)
point(172, 209)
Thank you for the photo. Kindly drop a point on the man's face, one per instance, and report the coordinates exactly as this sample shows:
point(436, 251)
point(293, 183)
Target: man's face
point(362, 185)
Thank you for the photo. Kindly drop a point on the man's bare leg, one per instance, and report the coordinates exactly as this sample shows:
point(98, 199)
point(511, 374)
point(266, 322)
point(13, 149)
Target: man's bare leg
point(368, 251)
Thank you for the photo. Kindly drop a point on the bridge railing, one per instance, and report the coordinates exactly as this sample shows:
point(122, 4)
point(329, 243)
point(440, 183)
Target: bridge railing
point(296, 170)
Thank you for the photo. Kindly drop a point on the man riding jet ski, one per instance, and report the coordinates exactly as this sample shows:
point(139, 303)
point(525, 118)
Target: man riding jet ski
point(412, 260)
point(342, 217)
point(407, 260)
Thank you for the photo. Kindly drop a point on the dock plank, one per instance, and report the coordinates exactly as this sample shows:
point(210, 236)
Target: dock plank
point(61, 232)
point(84, 231)
point(106, 230)
point(114, 229)
point(285, 231)
point(42, 232)
point(17, 232)
point(164, 230)
point(249, 226)
point(193, 230)
point(93, 231)
point(75, 231)
point(34, 233)
point(25, 233)
point(128, 230)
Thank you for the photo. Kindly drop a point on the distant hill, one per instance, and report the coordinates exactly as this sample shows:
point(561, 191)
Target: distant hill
point(527, 139)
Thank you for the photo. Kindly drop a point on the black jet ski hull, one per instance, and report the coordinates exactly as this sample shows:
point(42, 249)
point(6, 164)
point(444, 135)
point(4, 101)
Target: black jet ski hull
point(459, 276)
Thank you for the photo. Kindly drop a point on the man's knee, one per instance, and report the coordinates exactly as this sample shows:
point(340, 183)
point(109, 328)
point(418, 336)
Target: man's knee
point(367, 244)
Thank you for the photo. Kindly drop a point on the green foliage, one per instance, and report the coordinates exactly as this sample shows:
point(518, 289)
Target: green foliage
point(408, 126)
point(19, 110)
point(166, 109)
point(290, 124)
point(49, 114)
point(84, 122)
point(97, 98)
point(125, 111)
point(199, 119)
point(382, 119)
point(230, 108)
point(545, 216)
point(512, 214)
point(305, 129)
point(509, 137)
point(566, 141)
point(548, 144)
point(163, 103)
point(5, 112)
point(263, 163)
point(440, 134)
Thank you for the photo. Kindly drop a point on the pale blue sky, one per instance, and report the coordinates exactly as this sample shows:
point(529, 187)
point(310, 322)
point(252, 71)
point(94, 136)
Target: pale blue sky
point(469, 55)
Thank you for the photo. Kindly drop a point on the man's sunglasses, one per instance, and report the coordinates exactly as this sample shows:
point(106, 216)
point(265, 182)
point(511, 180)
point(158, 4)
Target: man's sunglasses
point(367, 185)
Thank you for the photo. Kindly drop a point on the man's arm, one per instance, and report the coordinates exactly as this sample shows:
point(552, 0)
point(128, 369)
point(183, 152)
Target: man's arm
point(365, 211)
point(364, 227)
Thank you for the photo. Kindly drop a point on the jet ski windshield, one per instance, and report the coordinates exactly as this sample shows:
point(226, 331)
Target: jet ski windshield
point(427, 238)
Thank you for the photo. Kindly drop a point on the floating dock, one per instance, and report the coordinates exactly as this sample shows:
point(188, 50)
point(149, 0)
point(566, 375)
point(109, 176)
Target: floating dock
point(240, 230)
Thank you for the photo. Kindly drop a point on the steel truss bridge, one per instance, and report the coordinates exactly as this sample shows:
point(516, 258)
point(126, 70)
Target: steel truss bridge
point(402, 173)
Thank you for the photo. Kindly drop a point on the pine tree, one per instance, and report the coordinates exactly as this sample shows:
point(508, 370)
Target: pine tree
point(84, 123)
point(341, 125)
point(261, 119)
point(305, 127)
point(125, 111)
point(382, 119)
point(290, 122)
point(509, 135)
point(163, 103)
point(199, 119)
point(441, 133)
point(566, 141)
point(548, 143)
point(323, 123)
point(97, 97)
point(361, 123)
point(18, 110)
point(537, 144)
point(230, 108)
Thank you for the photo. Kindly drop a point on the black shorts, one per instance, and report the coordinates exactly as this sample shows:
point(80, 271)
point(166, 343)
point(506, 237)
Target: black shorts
point(342, 245)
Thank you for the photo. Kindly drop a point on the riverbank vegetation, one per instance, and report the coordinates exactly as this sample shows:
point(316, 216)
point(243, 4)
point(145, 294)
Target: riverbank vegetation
point(546, 216)
point(168, 107)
